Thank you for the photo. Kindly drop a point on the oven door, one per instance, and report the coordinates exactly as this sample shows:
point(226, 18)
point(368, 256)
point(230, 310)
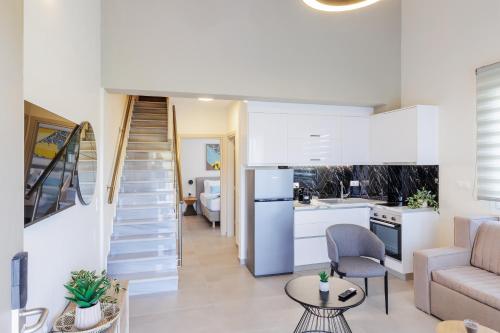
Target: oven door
point(390, 234)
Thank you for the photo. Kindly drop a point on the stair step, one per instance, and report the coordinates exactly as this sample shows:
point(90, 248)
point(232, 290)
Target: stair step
point(141, 256)
point(143, 198)
point(148, 138)
point(147, 276)
point(150, 123)
point(126, 263)
point(134, 187)
point(131, 182)
point(144, 145)
point(153, 155)
point(150, 206)
point(145, 115)
point(148, 130)
point(157, 165)
point(128, 244)
point(122, 229)
point(163, 211)
point(151, 103)
point(143, 237)
point(146, 175)
point(149, 109)
point(144, 221)
point(144, 283)
point(147, 150)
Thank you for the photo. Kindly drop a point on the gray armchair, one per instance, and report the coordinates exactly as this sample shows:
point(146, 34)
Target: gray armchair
point(350, 249)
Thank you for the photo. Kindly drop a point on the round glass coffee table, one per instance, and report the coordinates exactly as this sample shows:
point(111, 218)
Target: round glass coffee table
point(324, 312)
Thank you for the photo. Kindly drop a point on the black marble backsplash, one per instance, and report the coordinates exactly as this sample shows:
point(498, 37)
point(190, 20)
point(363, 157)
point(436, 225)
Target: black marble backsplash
point(381, 182)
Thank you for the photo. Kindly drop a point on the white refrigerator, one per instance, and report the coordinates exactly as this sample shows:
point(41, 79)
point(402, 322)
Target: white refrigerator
point(270, 229)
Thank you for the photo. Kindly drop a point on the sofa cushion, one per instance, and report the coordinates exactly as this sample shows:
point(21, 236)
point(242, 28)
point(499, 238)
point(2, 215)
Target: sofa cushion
point(486, 250)
point(476, 283)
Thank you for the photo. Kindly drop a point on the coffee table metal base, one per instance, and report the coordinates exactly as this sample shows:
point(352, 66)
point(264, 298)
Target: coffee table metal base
point(322, 320)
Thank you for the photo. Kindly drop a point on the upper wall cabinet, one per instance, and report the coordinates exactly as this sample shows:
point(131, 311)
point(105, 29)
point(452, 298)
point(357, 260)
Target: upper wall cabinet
point(405, 136)
point(313, 139)
point(297, 134)
point(355, 140)
point(267, 139)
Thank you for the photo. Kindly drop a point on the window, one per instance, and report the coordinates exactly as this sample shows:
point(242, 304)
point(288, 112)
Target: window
point(488, 132)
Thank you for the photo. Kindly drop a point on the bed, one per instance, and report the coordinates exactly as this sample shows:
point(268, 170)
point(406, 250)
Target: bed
point(208, 204)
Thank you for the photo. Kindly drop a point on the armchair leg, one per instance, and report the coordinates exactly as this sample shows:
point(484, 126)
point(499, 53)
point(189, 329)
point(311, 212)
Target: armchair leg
point(386, 290)
point(366, 286)
point(332, 272)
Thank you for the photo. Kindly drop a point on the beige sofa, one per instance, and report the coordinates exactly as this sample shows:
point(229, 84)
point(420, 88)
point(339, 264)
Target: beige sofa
point(462, 281)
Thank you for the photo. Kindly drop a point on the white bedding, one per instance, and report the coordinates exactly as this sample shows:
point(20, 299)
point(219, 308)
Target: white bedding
point(211, 201)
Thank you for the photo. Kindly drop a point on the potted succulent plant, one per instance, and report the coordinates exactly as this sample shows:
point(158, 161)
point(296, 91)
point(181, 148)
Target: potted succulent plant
point(324, 286)
point(86, 289)
point(423, 199)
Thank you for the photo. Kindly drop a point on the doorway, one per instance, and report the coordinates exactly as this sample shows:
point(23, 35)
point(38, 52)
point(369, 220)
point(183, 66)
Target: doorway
point(230, 173)
point(201, 164)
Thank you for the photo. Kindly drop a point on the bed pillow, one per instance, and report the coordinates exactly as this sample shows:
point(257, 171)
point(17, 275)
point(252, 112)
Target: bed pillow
point(212, 183)
point(207, 183)
point(214, 189)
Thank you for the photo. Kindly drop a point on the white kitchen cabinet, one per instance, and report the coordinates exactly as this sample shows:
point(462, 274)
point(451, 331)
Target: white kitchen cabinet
point(314, 139)
point(310, 231)
point(405, 136)
point(267, 139)
point(304, 134)
point(355, 140)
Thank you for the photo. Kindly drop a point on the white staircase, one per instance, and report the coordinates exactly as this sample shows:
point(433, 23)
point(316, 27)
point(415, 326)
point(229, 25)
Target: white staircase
point(144, 240)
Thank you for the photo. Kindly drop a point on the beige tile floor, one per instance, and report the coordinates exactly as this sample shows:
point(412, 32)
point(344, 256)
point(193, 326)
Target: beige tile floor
point(216, 294)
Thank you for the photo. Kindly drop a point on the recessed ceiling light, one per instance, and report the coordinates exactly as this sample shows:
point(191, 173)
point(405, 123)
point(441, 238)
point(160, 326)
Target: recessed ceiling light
point(338, 5)
point(205, 99)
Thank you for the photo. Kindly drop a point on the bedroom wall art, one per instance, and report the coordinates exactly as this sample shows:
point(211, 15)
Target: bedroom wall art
point(213, 156)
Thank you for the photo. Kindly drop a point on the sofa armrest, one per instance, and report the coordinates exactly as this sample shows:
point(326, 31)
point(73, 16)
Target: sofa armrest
point(426, 261)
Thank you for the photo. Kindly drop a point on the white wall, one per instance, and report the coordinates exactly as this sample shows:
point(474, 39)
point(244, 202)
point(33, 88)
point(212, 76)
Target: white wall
point(277, 50)
point(193, 160)
point(196, 117)
point(11, 134)
point(62, 74)
point(443, 43)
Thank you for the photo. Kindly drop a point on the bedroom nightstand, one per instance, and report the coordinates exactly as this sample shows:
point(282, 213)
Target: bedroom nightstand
point(190, 211)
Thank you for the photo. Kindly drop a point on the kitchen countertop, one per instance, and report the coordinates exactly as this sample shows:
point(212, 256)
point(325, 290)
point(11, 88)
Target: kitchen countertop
point(354, 203)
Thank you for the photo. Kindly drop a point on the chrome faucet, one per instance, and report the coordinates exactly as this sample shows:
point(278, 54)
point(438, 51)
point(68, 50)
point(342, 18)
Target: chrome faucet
point(343, 195)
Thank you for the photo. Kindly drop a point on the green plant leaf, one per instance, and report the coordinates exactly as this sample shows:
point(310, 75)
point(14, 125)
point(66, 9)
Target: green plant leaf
point(75, 292)
point(83, 304)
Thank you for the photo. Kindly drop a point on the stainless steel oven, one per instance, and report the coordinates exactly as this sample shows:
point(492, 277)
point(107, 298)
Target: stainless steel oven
point(387, 226)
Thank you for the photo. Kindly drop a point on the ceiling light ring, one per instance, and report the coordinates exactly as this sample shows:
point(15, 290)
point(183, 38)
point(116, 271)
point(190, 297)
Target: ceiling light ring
point(338, 5)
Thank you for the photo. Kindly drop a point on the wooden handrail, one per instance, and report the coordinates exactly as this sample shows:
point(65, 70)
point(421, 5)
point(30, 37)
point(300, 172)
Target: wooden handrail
point(121, 142)
point(177, 153)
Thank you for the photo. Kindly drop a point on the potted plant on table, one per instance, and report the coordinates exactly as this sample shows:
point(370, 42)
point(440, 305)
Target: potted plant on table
point(324, 286)
point(87, 289)
point(423, 199)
